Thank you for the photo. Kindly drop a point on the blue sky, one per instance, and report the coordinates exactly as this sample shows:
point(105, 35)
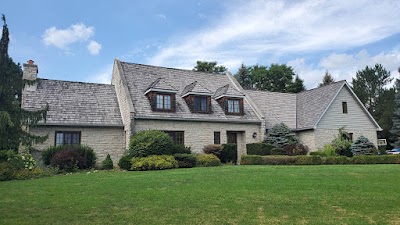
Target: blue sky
point(79, 40)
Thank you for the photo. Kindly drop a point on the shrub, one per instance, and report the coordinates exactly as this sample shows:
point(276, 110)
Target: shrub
point(308, 160)
point(69, 160)
point(107, 163)
point(185, 160)
point(180, 149)
point(259, 149)
point(251, 160)
point(318, 153)
point(30, 174)
point(333, 160)
point(329, 150)
point(83, 150)
point(278, 160)
point(150, 142)
point(154, 162)
point(280, 135)
point(342, 143)
point(207, 160)
point(125, 162)
point(295, 149)
point(362, 146)
point(213, 149)
point(228, 153)
point(6, 171)
point(6, 154)
point(29, 162)
point(277, 151)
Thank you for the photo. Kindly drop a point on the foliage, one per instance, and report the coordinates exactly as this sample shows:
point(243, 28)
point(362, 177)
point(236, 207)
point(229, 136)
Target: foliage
point(12, 117)
point(209, 67)
point(278, 151)
point(296, 86)
point(150, 142)
point(125, 162)
point(213, 149)
point(6, 154)
point(295, 149)
point(7, 171)
point(259, 149)
point(29, 161)
point(207, 160)
point(228, 153)
point(69, 160)
point(328, 79)
point(342, 143)
point(154, 162)
point(280, 135)
point(362, 146)
point(180, 149)
point(185, 160)
point(329, 150)
point(395, 130)
point(243, 76)
point(107, 163)
point(83, 150)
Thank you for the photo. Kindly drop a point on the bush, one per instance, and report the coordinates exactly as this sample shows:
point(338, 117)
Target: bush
point(280, 135)
point(278, 151)
point(362, 146)
point(318, 153)
point(207, 160)
point(278, 160)
point(6, 154)
point(228, 153)
point(251, 160)
point(29, 162)
point(180, 149)
point(185, 160)
point(107, 163)
point(125, 162)
point(295, 149)
point(329, 150)
point(342, 143)
point(83, 150)
point(259, 149)
point(308, 160)
point(213, 149)
point(30, 174)
point(334, 160)
point(150, 142)
point(69, 160)
point(154, 162)
point(6, 171)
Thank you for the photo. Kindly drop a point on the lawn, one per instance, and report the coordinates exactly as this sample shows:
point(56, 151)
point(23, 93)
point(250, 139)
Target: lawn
point(336, 194)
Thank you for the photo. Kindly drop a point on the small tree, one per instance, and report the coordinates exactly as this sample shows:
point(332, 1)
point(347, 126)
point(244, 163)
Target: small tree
point(280, 136)
point(107, 163)
point(362, 146)
point(243, 76)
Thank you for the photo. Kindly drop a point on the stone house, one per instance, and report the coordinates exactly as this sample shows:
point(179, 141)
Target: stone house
point(194, 108)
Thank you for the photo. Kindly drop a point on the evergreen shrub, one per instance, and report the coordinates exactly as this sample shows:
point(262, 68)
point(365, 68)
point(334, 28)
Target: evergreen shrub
point(107, 163)
point(362, 146)
point(259, 149)
point(228, 153)
point(185, 160)
point(154, 162)
point(125, 162)
point(207, 160)
point(150, 142)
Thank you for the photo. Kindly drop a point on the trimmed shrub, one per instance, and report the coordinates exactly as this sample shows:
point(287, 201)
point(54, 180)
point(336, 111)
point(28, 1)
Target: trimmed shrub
point(69, 160)
point(7, 171)
point(362, 146)
point(278, 151)
point(280, 135)
point(278, 160)
point(308, 160)
point(251, 160)
point(334, 160)
point(213, 149)
point(150, 142)
point(180, 149)
point(259, 149)
point(185, 160)
point(83, 150)
point(154, 162)
point(228, 153)
point(207, 160)
point(125, 162)
point(295, 149)
point(107, 163)
point(318, 153)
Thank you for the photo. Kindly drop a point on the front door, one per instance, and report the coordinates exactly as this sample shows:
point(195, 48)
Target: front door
point(232, 137)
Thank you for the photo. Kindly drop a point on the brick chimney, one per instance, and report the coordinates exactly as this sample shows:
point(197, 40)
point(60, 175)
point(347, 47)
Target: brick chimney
point(30, 73)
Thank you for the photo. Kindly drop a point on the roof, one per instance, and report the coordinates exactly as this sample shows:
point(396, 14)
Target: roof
point(139, 77)
point(197, 88)
point(227, 90)
point(75, 103)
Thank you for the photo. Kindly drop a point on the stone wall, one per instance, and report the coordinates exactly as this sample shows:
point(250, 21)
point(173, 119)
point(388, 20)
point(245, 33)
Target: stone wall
point(325, 136)
point(307, 137)
point(104, 140)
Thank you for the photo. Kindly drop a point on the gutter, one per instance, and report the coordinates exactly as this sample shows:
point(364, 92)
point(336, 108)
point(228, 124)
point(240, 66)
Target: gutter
point(198, 120)
point(78, 125)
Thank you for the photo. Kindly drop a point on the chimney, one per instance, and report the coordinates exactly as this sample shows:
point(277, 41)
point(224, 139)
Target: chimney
point(30, 73)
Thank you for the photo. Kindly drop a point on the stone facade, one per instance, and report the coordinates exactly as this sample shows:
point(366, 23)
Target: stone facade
point(103, 140)
point(307, 137)
point(325, 136)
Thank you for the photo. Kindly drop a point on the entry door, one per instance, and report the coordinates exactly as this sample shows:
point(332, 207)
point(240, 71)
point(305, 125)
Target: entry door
point(232, 137)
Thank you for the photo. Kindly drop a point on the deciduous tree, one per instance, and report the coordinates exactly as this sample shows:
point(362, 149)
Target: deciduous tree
point(209, 67)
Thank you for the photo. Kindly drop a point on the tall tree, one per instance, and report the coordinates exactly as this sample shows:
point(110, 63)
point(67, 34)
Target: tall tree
point(243, 76)
point(328, 79)
point(396, 116)
point(13, 118)
point(209, 67)
point(296, 86)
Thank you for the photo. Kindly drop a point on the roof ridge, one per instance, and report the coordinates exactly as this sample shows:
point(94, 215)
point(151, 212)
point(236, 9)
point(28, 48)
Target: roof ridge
point(80, 82)
point(336, 82)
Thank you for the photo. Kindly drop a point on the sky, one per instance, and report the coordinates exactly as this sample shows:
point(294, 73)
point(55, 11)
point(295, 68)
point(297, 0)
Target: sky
point(79, 40)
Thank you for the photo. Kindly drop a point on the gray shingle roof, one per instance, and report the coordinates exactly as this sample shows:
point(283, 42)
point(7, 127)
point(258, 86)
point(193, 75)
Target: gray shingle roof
point(195, 87)
point(139, 77)
point(161, 84)
point(227, 90)
point(75, 102)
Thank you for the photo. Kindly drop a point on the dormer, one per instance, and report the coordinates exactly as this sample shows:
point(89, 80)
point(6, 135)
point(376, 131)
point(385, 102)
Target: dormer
point(230, 99)
point(161, 96)
point(197, 97)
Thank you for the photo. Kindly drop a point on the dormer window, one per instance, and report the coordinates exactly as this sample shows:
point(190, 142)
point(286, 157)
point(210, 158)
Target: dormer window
point(163, 101)
point(161, 96)
point(233, 105)
point(200, 103)
point(197, 98)
point(230, 99)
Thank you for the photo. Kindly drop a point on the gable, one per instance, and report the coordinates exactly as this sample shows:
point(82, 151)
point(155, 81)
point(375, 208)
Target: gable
point(355, 118)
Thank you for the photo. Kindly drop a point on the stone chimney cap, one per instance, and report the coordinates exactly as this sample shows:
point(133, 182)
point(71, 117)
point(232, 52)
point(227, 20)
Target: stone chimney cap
point(30, 62)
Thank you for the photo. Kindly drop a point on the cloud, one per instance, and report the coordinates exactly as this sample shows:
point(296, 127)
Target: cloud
point(162, 16)
point(62, 38)
point(94, 47)
point(103, 76)
point(270, 29)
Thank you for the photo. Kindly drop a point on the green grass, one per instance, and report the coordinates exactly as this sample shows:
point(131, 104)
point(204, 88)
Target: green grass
point(345, 194)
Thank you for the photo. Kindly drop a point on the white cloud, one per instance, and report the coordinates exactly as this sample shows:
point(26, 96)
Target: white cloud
point(94, 47)
point(162, 16)
point(103, 76)
point(62, 38)
point(270, 28)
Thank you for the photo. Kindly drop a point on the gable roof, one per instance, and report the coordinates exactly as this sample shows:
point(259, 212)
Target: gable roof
point(161, 85)
point(139, 77)
point(227, 90)
point(75, 103)
point(195, 88)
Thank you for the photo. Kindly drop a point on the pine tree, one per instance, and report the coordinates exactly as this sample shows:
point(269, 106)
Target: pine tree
point(396, 116)
point(243, 77)
point(296, 86)
point(328, 79)
point(280, 136)
point(13, 119)
point(362, 146)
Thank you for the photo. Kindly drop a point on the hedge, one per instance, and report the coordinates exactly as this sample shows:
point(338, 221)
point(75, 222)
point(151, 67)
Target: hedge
point(318, 160)
point(259, 149)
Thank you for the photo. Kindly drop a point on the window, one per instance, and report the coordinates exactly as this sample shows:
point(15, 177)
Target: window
point(163, 101)
point(200, 104)
point(351, 137)
point(217, 138)
point(178, 137)
point(344, 107)
point(233, 106)
point(68, 138)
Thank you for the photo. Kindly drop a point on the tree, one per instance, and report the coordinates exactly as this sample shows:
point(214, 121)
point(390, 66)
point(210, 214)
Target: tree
point(396, 116)
point(13, 118)
point(328, 79)
point(297, 86)
point(209, 67)
point(362, 146)
point(280, 135)
point(243, 76)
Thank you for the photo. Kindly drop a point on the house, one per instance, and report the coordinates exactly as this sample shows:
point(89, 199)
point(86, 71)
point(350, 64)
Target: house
point(194, 108)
